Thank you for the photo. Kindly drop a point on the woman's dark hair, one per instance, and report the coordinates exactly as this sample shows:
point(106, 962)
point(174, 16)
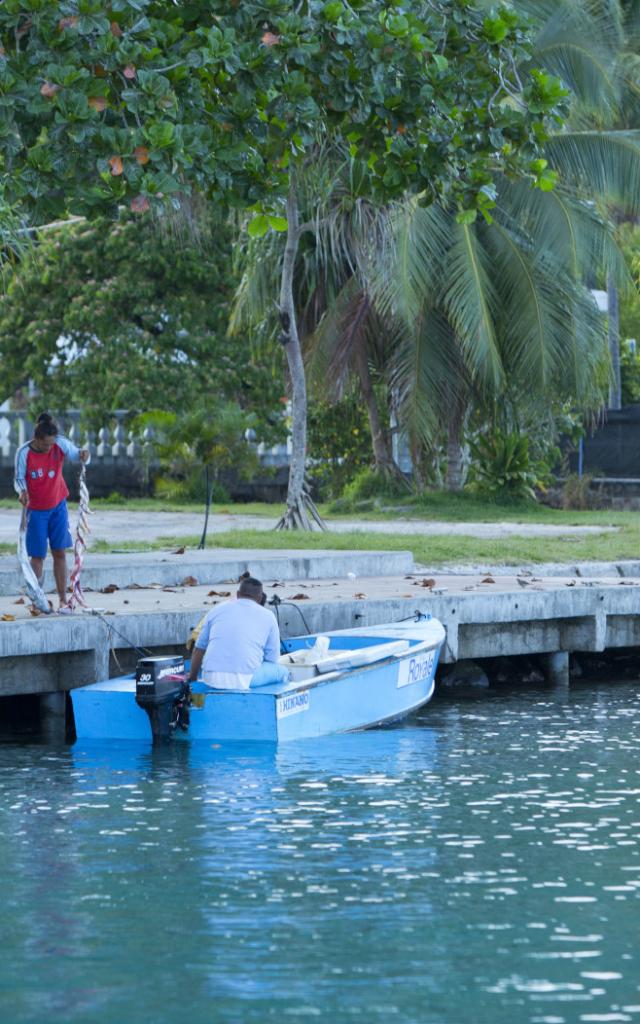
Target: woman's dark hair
point(46, 426)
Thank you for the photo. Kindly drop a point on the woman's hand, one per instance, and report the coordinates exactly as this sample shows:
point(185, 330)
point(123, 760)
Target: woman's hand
point(84, 455)
point(23, 498)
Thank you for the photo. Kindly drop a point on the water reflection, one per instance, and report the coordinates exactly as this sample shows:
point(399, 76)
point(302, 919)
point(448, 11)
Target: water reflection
point(479, 863)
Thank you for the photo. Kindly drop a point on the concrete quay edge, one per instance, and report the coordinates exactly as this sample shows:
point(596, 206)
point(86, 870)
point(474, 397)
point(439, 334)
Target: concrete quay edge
point(45, 655)
point(625, 569)
point(214, 566)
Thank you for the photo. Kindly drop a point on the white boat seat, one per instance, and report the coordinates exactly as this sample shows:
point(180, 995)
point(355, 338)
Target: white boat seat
point(340, 660)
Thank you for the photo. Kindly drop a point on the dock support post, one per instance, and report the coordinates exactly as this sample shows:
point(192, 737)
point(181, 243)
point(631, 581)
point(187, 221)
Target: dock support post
point(53, 716)
point(556, 667)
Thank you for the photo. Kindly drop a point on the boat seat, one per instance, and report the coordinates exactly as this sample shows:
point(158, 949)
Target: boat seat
point(339, 660)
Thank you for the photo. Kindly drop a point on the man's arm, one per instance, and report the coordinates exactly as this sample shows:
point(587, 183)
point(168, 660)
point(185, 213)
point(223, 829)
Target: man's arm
point(272, 646)
point(196, 664)
point(20, 475)
point(201, 645)
point(71, 450)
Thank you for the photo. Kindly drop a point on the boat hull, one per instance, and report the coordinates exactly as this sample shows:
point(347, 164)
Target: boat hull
point(336, 700)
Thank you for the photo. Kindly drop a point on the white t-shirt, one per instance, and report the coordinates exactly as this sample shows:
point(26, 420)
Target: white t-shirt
point(237, 637)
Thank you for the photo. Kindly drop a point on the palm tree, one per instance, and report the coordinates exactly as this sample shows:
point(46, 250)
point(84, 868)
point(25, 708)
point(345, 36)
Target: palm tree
point(490, 307)
point(469, 311)
point(343, 334)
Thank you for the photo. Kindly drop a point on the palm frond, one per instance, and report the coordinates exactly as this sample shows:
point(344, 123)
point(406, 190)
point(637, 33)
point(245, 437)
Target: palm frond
point(563, 223)
point(602, 165)
point(469, 300)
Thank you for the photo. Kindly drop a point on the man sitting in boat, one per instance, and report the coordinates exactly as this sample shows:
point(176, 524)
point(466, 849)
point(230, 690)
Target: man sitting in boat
point(239, 643)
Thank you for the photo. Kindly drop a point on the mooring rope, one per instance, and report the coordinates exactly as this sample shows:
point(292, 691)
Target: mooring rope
point(33, 588)
point(80, 544)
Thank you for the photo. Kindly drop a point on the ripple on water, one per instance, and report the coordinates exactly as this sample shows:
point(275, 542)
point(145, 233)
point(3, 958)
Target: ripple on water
point(472, 865)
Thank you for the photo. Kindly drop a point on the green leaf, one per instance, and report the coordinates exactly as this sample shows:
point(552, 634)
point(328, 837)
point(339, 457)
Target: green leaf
point(278, 223)
point(258, 226)
point(466, 216)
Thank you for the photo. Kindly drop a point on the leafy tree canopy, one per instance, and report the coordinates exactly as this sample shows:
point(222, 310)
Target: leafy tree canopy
point(117, 315)
point(144, 99)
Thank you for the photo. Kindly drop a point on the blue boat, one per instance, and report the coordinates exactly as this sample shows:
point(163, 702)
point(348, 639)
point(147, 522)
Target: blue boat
point(341, 681)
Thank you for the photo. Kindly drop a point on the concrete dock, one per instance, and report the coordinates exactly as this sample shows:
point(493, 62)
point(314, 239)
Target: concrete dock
point(152, 601)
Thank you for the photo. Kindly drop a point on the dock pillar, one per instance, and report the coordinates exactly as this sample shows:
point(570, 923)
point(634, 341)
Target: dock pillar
point(53, 716)
point(556, 667)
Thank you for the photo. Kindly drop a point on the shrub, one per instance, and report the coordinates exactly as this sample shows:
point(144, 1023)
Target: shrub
point(575, 492)
point(366, 490)
point(502, 465)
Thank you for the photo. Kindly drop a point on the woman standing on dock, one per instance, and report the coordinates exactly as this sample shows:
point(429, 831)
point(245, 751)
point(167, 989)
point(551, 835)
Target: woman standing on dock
point(42, 490)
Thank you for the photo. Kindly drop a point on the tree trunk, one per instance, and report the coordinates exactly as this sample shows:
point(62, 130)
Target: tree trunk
point(615, 389)
point(454, 480)
point(381, 451)
point(209, 492)
point(301, 512)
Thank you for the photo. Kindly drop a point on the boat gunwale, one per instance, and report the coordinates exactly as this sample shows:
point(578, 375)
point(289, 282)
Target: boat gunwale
point(295, 686)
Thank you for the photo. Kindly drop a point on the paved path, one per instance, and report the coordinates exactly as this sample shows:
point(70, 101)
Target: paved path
point(115, 526)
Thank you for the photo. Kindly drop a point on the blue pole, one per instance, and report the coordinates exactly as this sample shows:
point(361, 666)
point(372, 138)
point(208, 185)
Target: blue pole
point(580, 457)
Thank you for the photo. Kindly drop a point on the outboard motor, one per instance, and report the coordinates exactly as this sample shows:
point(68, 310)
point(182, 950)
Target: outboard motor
point(162, 691)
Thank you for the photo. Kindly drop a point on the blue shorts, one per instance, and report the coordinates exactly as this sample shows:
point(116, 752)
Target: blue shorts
point(50, 524)
point(269, 672)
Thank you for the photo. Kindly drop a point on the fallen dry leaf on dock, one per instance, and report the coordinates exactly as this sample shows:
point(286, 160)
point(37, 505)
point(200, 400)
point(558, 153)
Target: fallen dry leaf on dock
point(189, 581)
point(110, 588)
point(488, 579)
point(219, 593)
point(19, 601)
point(7, 618)
point(179, 551)
point(298, 597)
point(169, 590)
point(423, 583)
point(360, 597)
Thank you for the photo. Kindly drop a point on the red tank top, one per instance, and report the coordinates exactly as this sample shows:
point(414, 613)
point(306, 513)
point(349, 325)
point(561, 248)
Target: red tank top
point(45, 482)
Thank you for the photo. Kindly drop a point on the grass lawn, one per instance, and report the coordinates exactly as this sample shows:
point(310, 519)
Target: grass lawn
point(426, 550)
point(437, 550)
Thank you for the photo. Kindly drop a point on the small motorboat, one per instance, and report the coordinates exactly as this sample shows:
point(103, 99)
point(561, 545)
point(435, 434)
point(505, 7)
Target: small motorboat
point(341, 681)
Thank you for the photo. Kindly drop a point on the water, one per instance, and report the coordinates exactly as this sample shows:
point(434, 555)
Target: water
point(480, 863)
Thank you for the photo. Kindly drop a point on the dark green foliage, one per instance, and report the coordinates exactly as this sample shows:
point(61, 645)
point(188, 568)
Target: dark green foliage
point(630, 372)
point(118, 315)
point(199, 443)
point(502, 465)
point(153, 98)
point(368, 490)
point(339, 444)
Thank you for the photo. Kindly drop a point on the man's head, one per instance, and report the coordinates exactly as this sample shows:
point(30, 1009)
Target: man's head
point(252, 589)
point(45, 433)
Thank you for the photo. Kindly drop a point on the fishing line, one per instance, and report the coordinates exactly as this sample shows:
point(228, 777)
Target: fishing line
point(276, 602)
point(143, 651)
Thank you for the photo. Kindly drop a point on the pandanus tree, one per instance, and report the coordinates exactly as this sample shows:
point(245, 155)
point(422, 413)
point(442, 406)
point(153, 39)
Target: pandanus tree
point(151, 100)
